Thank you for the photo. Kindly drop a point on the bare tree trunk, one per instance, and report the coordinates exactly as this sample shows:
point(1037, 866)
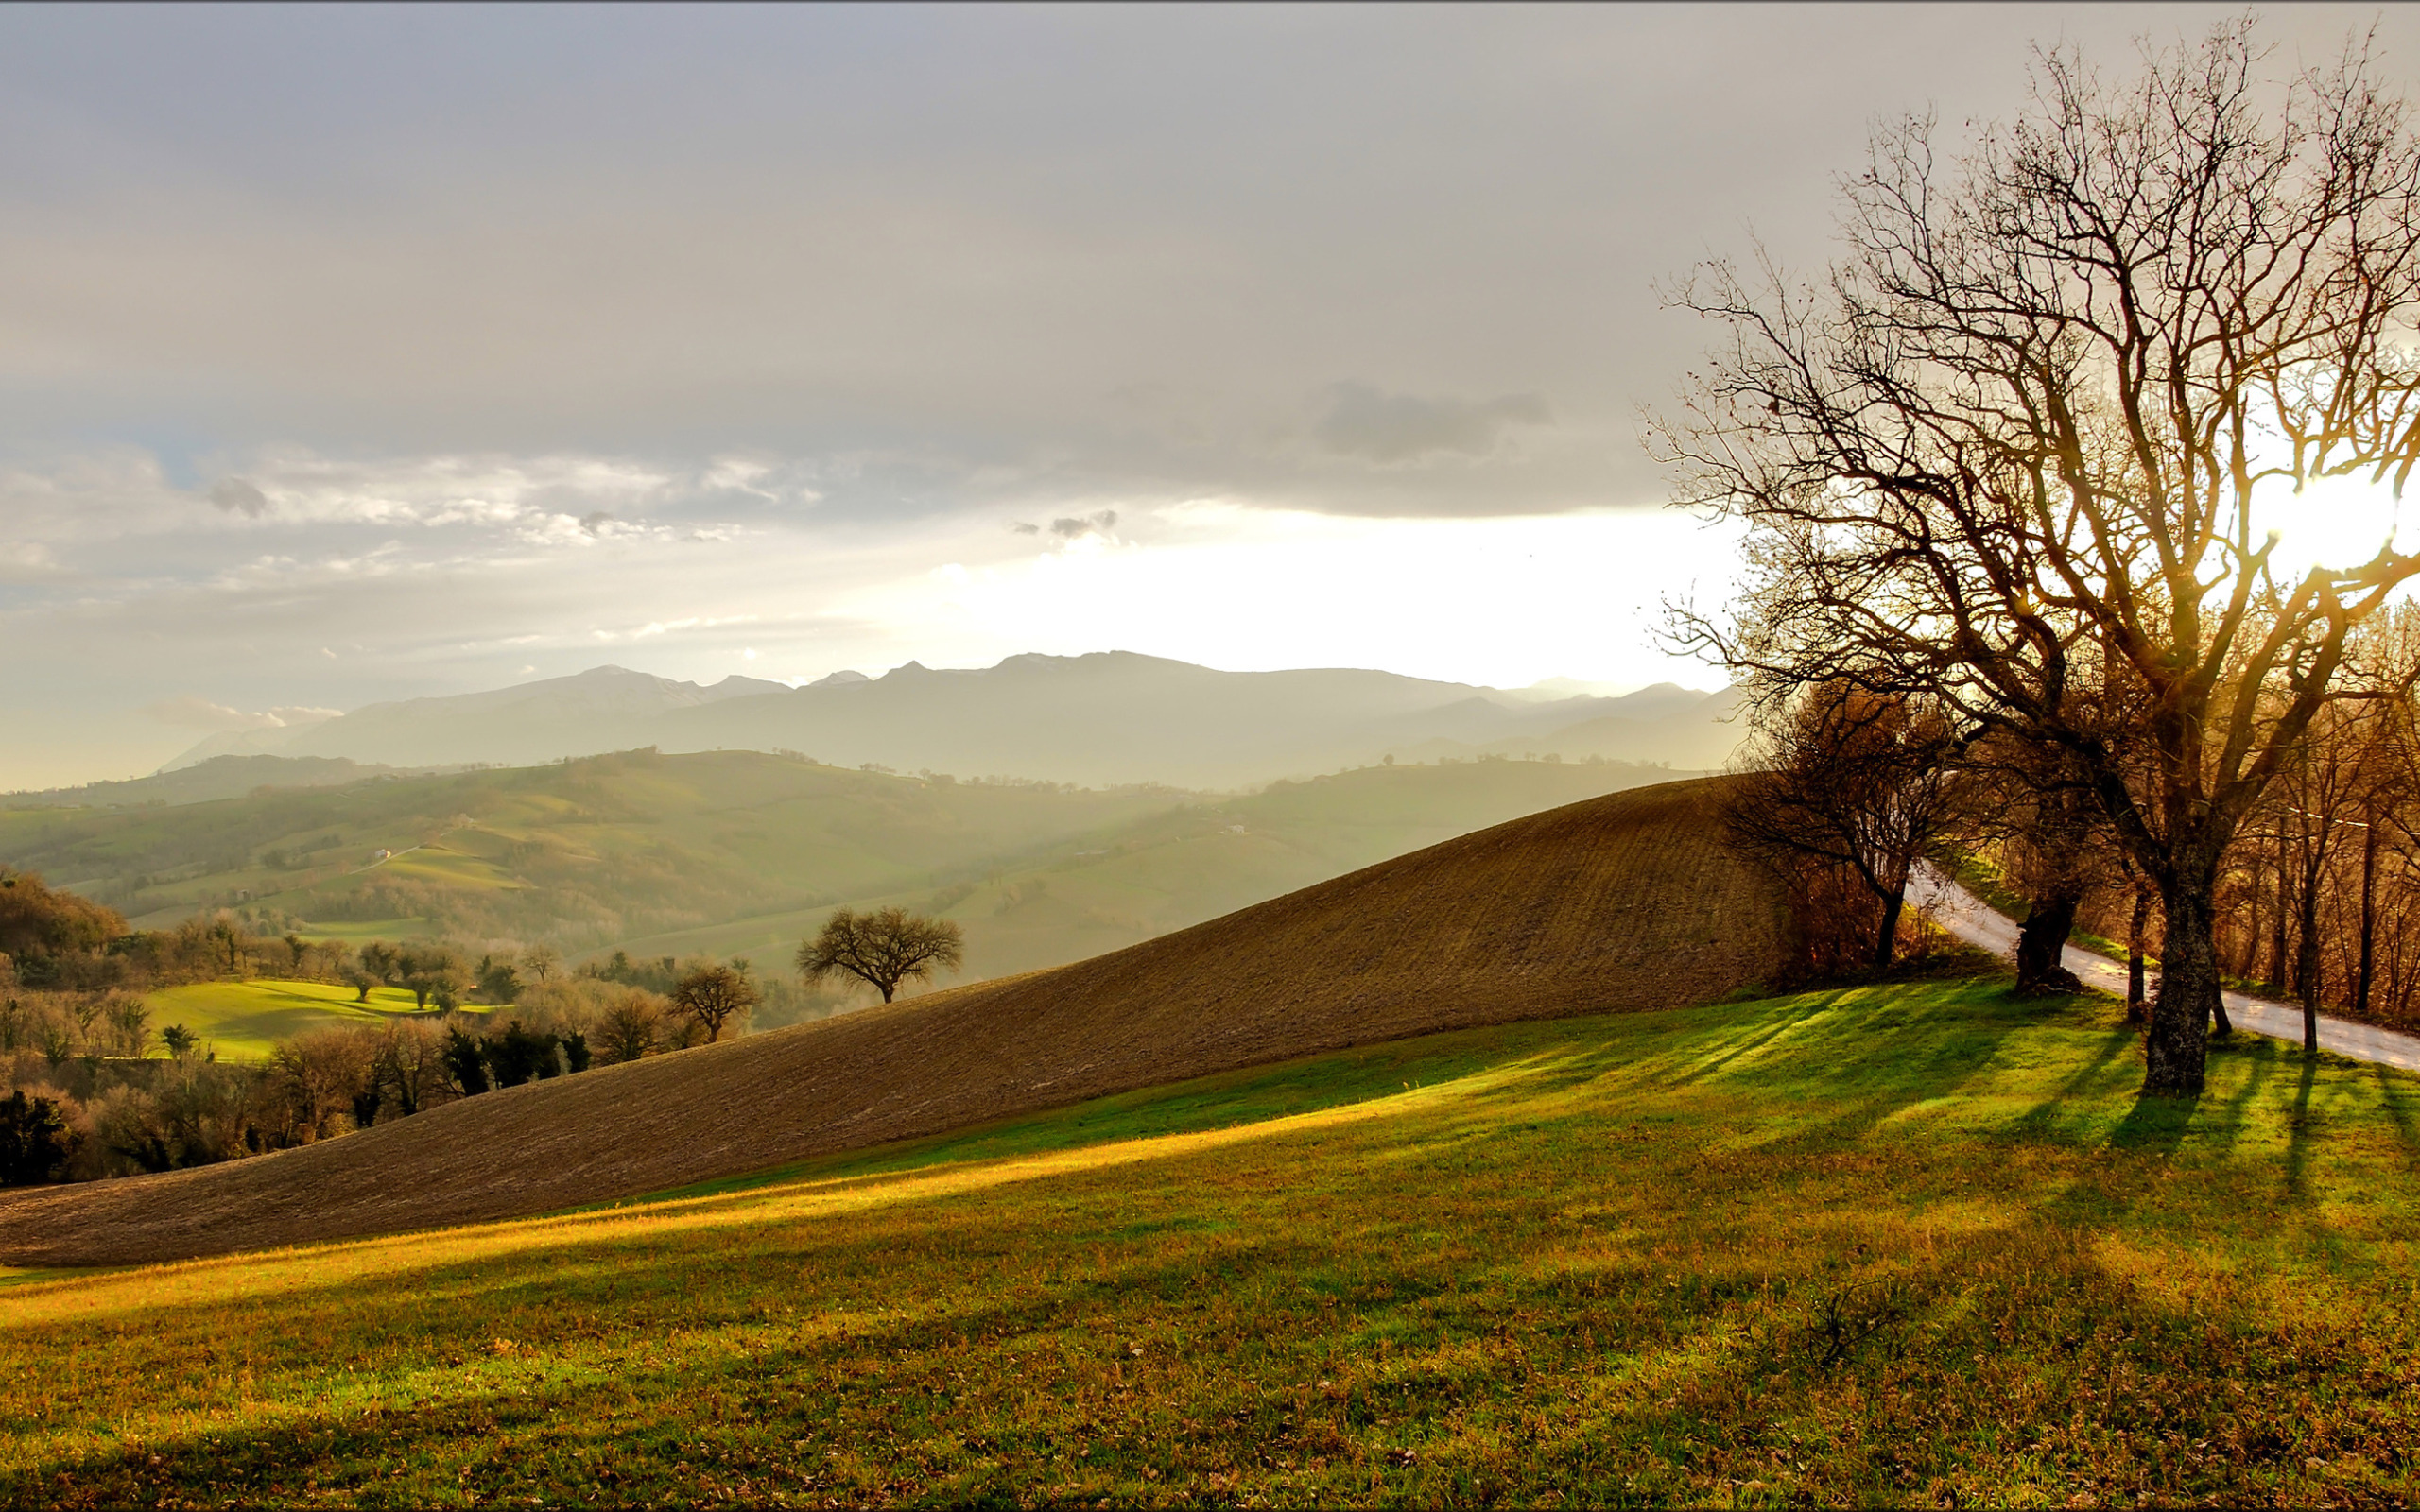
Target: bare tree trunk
point(2307, 963)
point(2369, 918)
point(2189, 983)
point(1885, 943)
point(2135, 1008)
point(2276, 977)
point(2250, 970)
point(2044, 937)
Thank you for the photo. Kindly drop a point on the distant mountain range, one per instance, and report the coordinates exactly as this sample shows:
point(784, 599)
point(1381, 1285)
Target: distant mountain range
point(1105, 718)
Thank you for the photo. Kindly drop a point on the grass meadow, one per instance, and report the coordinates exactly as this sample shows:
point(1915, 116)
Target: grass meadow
point(244, 1020)
point(1908, 1244)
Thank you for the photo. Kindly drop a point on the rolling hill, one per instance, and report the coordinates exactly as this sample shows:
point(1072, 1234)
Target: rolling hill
point(1110, 717)
point(738, 852)
point(1619, 902)
point(1913, 1244)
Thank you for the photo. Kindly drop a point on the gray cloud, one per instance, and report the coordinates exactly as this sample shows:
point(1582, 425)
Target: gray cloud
point(1068, 527)
point(922, 253)
point(239, 496)
point(1362, 421)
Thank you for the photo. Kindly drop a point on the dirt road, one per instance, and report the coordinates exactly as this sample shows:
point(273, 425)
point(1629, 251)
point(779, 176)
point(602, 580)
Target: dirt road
point(1978, 923)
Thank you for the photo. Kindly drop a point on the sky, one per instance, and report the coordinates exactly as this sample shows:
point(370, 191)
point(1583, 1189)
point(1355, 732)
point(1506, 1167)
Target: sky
point(356, 354)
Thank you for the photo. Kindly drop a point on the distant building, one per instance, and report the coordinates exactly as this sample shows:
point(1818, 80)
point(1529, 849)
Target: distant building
point(376, 856)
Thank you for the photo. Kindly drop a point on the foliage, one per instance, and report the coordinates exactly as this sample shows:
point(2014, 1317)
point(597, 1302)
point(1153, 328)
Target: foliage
point(466, 1061)
point(35, 1139)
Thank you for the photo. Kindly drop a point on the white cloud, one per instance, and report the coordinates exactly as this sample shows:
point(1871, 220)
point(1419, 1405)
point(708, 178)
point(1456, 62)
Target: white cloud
point(25, 561)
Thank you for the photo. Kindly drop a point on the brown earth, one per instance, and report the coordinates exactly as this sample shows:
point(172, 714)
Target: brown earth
point(1621, 903)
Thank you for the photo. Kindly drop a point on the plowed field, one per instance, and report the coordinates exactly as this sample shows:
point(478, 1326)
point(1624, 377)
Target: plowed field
point(1621, 903)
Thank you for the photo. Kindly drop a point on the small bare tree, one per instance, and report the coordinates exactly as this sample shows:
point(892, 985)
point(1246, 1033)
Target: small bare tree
point(883, 949)
point(712, 995)
point(1853, 780)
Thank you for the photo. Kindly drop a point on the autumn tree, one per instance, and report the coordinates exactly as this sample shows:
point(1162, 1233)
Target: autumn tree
point(1852, 781)
point(2036, 427)
point(432, 972)
point(882, 948)
point(712, 994)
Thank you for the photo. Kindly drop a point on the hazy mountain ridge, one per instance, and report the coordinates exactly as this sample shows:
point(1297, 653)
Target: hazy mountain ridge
point(203, 781)
point(1102, 718)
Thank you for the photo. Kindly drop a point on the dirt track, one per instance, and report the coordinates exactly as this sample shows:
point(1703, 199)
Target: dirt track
point(1621, 903)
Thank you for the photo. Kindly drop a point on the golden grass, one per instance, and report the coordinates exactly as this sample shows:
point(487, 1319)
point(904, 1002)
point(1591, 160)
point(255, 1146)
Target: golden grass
point(1910, 1244)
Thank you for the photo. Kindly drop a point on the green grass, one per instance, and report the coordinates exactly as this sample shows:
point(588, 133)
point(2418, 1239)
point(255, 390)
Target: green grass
point(1889, 1245)
point(243, 1021)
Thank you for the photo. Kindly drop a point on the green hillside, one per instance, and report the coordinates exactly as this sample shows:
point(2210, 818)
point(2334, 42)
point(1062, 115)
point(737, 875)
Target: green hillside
point(1915, 1244)
point(1115, 886)
point(739, 852)
point(582, 853)
point(246, 1020)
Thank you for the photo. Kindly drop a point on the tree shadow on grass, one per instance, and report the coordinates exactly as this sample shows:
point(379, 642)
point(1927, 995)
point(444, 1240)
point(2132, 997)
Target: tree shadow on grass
point(2155, 1124)
point(1746, 1040)
point(2298, 1128)
point(2394, 1096)
point(2042, 1120)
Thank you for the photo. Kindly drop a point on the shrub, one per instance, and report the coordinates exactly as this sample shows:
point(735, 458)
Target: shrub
point(35, 1141)
point(465, 1062)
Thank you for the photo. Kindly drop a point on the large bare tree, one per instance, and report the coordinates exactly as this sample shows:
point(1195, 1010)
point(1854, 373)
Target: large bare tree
point(2028, 438)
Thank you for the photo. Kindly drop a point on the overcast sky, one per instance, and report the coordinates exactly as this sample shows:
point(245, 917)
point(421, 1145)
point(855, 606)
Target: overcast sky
point(356, 353)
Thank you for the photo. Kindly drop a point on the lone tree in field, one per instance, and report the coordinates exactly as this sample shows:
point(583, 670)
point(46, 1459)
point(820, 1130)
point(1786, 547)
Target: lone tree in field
point(714, 995)
point(883, 948)
point(2032, 435)
point(1852, 781)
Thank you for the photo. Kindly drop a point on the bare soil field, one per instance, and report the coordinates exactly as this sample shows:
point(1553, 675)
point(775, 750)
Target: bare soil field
point(1623, 903)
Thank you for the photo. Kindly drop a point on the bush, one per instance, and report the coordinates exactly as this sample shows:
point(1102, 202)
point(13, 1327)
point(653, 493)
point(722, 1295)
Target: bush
point(465, 1062)
point(516, 1055)
point(35, 1141)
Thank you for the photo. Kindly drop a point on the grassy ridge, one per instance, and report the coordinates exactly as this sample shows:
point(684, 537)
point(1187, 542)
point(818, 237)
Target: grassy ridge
point(1885, 1244)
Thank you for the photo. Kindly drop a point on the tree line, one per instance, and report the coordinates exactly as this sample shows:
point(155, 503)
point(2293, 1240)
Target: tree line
point(85, 1099)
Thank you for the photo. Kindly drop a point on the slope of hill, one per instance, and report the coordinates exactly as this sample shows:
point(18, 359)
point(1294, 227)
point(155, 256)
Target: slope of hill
point(603, 708)
point(201, 782)
point(1621, 903)
point(1916, 1244)
point(740, 853)
point(1108, 717)
point(583, 854)
point(1133, 880)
